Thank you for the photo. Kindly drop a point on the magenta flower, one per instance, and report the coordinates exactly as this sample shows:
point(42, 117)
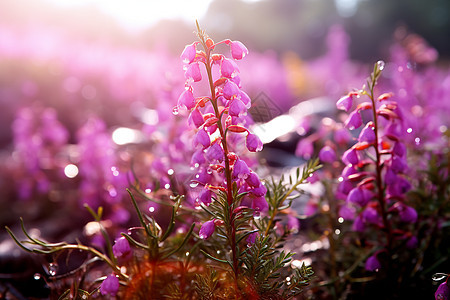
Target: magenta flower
point(345, 103)
point(399, 149)
point(205, 196)
point(367, 134)
point(253, 143)
point(358, 224)
point(260, 204)
point(305, 148)
point(237, 108)
point(198, 158)
point(238, 50)
point(207, 229)
point(251, 238)
point(110, 286)
point(186, 99)
point(246, 99)
point(442, 292)
point(412, 242)
point(188, 54)
point(353, 121)
point(193, 73)
point(228, 68)
point(230, 90)
point(121, 247)
point(240, 170)
point(347, 212)
point(372, 263)
point(360, 196)
point(327, 154)
point(215, 152)
point(202, 138)
point(196, 118)
point(370, 215)
point(351, 156)
point(407, 214)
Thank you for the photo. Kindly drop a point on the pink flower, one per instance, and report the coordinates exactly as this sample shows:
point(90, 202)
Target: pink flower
point(121, 247)
point(215, 152)
point(367, 134)
point(253, 143)
point(205, 196)
point(353, 121)
point(207, 229)
point(246, 100)
point(372, 263)
point(327, 154)
point(238, 50)
point(251, 238)
point(345, 103)
point(196, 118)
point(240, 170)
point(110, 286)
point(202, 138)
point(193, 72)
point(305, 148)
point(253, 180)
point(350, 156)
point(230, 90)
point(442, 292)
point(359, 195)
point(237, 108)
point(228, 68)
point(186, 99)
point(188, 54)
point(408, 214)
point(260, 204)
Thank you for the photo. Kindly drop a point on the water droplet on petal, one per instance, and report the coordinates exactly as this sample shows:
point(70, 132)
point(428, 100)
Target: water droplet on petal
point(381, 65)
point(37, 276)
point(52, 269)
point(257, 214)
point(175, 110)
point(193, 184)
point(439, 276)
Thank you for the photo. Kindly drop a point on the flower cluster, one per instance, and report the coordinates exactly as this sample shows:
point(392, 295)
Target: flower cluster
point(374, 181)
point(218, 118)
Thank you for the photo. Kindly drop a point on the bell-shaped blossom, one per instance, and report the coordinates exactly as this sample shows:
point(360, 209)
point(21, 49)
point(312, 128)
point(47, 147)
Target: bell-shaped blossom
point(327, 154)
point(202, 138)
point(228, 68)
point(397, 188)
point(260, 204)
point(193, 73)
point(305, 148)
point(372, 263)
point(345, 103)
point(205, 196)
point(207, 229)
point(407, 214)
point(342, 136)
point(240, 170)
point(443, 291)
point(186, 99)
point(343, 189)
point(353, 121)
point(351, 156)
point(253, 143)
point(110, 286)
point(188, 54)
point(259, 191)
point(238, 50)
point(371, 215)
point(251, 238)
point(359, 195)
point(121, 247)
point(198, 158)
point(246, 99)
point(196, 118)
point(230, 90)
point(367, 134)
point(347, 212)
point(412, 242)
point(253, 180)
point(237, 108)
point(349, 170)
point(398, 164)
point(215, 152)
point(358, 224)
point(399, 149)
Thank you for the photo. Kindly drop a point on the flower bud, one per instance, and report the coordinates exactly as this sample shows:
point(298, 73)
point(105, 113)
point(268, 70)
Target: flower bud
point(188, 54)
point(327, 154)
point(110, 286)
point(228, 68)
point(238, 50)
point(186, 99)
point(353, 121)
point(237, 108)
point(372, 263)
point(253, 143)
point(121, 247)
point(240, 170)
point(207, 229)
point(202, 138)
point(193, 73)
point(230, 90)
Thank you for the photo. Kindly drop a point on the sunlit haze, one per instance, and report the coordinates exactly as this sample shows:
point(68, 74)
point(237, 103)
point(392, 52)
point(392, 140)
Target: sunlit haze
point(135, 15)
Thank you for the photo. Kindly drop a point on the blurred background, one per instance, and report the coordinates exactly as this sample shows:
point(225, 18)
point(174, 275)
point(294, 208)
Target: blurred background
point(88, 86)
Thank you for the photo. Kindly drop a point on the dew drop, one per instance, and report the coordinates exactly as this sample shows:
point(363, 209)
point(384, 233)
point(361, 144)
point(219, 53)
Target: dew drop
point(202, 236)
point(257, 215)
point(193, 184)
point(175, 110)
point(52, 269)
point(37, 276)
point(381, 65)
point(439, 276)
